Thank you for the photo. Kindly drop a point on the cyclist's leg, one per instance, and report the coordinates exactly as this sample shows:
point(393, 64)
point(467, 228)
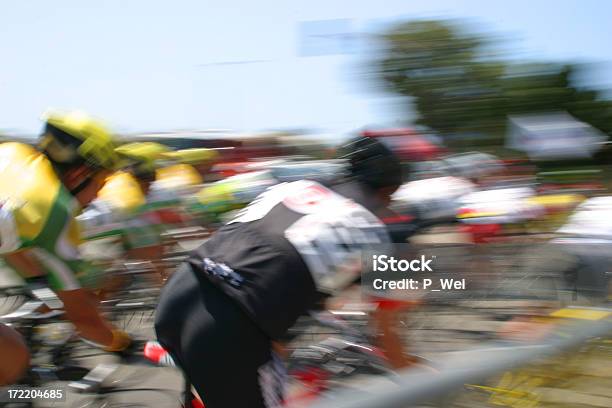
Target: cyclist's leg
point(81, 309)
point(14, 356)
point(386, 324)
point(142, 241)
point(224, 354)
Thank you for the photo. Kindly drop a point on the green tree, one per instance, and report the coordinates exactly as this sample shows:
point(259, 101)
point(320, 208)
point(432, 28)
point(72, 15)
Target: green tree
point(437, 63)
point(457, 90)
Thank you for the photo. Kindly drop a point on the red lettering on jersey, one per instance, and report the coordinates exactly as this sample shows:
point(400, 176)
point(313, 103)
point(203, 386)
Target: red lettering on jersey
point(307, 199)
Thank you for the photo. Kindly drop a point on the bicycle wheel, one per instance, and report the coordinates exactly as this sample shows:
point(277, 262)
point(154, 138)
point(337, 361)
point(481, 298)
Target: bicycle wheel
point(11, 298)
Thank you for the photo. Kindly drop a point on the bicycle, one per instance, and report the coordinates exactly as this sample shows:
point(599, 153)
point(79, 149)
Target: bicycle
point(40, 322)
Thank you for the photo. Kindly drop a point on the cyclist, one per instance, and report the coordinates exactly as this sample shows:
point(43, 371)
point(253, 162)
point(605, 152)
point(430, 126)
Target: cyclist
point(177, 181)
point(42, 192)
point(120, 208)
point(239, 293)
point(145, 196)
point(586, 239)
point(570, 269)
point(141, 161)
point(189, 168)
point(122, 200)
point(199, 159)
point(216, 201)
point(123, 192)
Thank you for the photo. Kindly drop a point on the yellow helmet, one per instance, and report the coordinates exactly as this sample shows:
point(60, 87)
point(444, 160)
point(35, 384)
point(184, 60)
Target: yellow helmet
point(142, 150)
point(142, 157)
point(72, 135)
point(192, 156)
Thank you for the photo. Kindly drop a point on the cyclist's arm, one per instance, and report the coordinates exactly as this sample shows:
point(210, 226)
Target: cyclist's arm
point(72, 279)
point(24, 264)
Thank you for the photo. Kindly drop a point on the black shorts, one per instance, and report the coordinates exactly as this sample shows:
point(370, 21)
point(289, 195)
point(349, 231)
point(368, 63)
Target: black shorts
point(226, 357)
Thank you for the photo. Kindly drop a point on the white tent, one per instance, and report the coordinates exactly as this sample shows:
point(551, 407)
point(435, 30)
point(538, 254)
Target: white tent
point(553, 136)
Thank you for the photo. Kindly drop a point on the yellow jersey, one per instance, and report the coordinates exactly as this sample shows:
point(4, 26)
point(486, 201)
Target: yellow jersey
point(122, 192)
point(37, 213)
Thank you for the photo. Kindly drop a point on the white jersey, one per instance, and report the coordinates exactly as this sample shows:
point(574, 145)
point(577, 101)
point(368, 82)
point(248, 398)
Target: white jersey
point(500, 206)
point(592, 219)
point(434, 198)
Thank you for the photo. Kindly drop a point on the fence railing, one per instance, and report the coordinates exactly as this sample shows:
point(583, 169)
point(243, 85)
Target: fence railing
point(418, 386)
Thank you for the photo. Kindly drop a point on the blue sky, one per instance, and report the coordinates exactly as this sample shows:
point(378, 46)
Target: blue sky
point(165, 65)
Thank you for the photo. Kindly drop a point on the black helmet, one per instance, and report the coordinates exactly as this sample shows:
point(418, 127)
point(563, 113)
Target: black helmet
point(371, 163)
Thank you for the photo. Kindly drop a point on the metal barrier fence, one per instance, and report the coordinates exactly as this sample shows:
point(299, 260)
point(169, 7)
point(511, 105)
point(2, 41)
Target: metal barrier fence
point(418, 386)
